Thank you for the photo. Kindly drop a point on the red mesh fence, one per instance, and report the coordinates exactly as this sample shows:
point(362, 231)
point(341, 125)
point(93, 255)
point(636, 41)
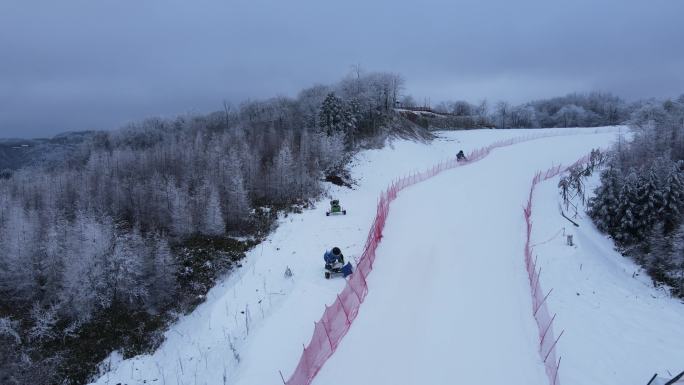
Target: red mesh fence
point(338, 317)
point(540, 310)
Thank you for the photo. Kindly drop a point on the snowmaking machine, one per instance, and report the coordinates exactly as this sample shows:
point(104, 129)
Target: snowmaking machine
point(334, 270)
point(335, 265)
point(335, 208)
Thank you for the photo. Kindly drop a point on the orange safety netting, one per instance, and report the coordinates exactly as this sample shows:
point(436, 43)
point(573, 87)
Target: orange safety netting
point(547, 341)
point(338, 317)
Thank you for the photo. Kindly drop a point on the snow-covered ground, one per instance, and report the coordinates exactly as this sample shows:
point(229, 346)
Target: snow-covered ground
point(449, 295)
point(618, 328)
point(469, 300)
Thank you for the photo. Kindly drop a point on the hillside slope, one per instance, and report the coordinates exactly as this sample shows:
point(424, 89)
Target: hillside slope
point(619, 329)
point(254, 322)
point(449, 295)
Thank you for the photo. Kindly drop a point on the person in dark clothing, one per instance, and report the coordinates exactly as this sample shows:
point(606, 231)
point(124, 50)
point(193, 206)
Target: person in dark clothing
point(461, 156)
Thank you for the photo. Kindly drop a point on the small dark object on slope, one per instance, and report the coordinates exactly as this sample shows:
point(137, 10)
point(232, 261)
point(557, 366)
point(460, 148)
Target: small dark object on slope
point(460, 157)
point(655, 380)
point(335, 208)
point(570, 220)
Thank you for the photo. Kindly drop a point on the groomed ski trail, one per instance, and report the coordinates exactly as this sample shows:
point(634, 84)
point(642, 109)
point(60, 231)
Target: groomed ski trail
point(449, 296)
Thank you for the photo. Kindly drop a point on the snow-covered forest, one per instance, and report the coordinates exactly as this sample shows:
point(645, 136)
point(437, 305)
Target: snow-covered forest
point(99, 251)
point(640, 201)
point(593, 109)
point(254, 193)
point(574, 110)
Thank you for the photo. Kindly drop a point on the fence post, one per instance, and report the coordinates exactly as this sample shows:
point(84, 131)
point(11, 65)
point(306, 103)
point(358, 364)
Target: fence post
point(542, 302)
point(355, 292)
point(541, 342)
point(536, 283)
point(325, 329)
point(363, 277)
point(555, 376)
point(346, 315)
point(304, 357)
point(554, 345)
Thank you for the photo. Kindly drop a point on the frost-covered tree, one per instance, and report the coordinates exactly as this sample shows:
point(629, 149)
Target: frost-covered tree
point(310, 100)
point(659, 259)
point(672, 200)
point(676, 274)
point(44, 320)
point(238, 200)
point(604, 206)
point(523, 116)
point(90, 242)
point(234, 195)
point(628, 229)
point(49, 266)
point(161, 284)
point(502, 112)
point(331, 149)
point(12, 356)
point(123, 271)
point(570, 115)
point(283, 174)
point(649, 200)
point(19, 241)
point(213, 223)
point(335, 115)
point(97, 234)
point(181, 217)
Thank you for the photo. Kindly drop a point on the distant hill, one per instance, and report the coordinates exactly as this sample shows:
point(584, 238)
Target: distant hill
point(18, 153)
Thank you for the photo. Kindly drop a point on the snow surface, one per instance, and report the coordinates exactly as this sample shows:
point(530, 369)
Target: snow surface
point(449, 294)
point(254, 322)
point(619, 329)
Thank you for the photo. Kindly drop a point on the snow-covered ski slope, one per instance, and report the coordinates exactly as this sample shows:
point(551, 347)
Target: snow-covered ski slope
point(618, 328)
point(449, 295)
point(255, 321)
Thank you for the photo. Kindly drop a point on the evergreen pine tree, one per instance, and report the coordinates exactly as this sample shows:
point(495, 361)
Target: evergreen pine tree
point(649, 202)
point(628, 231)
point(658, 261)
point(672, 200)
point(677, 262)
point(335, 116)
point(603, 207)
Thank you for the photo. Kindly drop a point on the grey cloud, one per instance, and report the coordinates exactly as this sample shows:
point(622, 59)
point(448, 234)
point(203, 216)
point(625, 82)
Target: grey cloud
point(77, 64)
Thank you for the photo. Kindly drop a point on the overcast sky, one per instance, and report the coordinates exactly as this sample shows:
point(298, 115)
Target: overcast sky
point(96, 64)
